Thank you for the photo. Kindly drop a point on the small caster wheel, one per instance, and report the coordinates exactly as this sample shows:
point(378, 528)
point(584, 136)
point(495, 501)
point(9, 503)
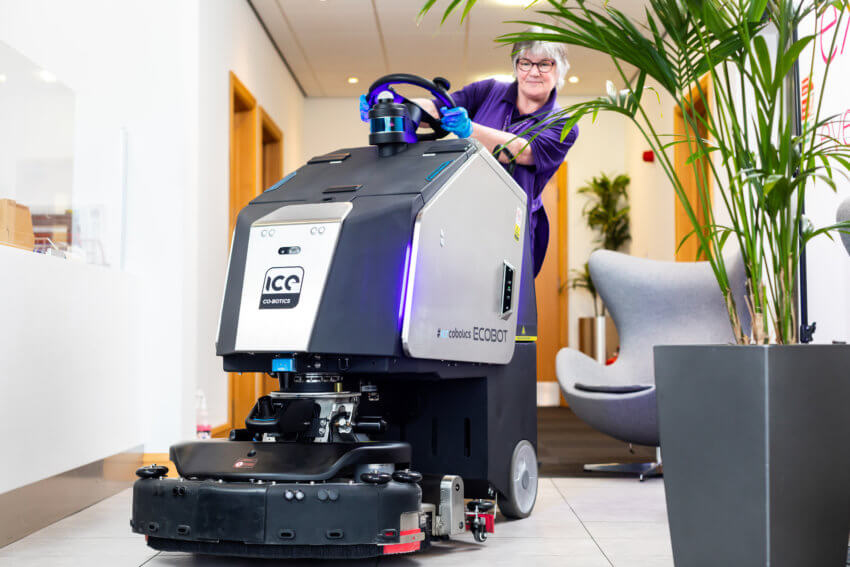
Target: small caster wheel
point(152, 471)
point(376, 477)
point(408, 476)
point(478, 531)
point(480, 506)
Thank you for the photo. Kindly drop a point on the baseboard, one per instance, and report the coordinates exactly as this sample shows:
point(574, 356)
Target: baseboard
point(35, 506)
point(548, 394)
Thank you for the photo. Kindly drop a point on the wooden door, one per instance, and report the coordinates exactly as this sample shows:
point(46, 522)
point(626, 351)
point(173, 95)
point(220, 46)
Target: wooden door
point(551, 282)
point(244, 186)
point(270, 144)
point(689, 251)
point(271, 153)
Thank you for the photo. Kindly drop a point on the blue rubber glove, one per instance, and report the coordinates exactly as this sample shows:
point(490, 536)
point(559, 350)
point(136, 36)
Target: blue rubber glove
point(364, 109)
point(456, 120)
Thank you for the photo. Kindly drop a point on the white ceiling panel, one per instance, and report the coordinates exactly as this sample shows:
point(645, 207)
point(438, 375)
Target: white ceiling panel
point(339, 38)
point(275, 21)
point(423, 48)
point(327, 41)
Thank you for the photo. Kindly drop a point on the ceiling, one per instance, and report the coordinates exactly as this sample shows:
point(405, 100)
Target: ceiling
point(324, 42)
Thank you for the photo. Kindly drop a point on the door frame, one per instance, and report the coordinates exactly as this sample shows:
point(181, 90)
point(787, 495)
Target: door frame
point(700, 98)
point(256, 155)
point(551, 283)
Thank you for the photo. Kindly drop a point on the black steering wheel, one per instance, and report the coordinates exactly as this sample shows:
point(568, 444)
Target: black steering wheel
point(439, 87)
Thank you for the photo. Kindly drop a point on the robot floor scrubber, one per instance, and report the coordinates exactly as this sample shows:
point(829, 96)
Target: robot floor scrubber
point(389, 290)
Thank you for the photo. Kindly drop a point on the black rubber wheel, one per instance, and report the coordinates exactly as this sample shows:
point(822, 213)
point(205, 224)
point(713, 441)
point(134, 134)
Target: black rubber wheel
point(482, 505)
point(376, 477)
point(407, 476)
point(522, 490)
point(152, 471)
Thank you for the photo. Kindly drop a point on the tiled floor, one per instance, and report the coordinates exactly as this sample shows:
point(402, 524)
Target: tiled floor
point(577, 522)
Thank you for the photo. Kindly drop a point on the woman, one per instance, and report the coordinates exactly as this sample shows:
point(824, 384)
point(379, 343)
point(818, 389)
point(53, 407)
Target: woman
point(494, 113)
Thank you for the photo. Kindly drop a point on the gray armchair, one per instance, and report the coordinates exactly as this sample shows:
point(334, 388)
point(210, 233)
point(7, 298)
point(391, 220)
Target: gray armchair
point(651, 303)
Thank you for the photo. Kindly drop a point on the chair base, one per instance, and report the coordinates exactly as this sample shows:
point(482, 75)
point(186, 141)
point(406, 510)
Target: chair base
point(642, 470)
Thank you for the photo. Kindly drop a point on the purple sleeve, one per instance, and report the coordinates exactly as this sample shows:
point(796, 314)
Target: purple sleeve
point(548, 149)
point(471, 96)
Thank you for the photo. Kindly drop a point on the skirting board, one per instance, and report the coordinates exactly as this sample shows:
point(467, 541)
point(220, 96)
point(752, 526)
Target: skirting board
point(32, 507)
point(548, 394)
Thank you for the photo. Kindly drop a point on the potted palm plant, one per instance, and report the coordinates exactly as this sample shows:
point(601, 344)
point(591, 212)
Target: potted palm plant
point(607, 214)
point(755, 435)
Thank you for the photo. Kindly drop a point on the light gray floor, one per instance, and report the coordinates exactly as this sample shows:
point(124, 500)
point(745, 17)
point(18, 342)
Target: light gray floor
point(577, 522)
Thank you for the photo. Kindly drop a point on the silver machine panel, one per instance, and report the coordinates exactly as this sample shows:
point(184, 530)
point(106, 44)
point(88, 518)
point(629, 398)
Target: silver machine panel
point(466, 261)
point(451, 516)
point(289, 255)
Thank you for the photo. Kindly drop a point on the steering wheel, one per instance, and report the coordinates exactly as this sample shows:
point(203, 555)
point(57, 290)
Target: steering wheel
point(439, 87)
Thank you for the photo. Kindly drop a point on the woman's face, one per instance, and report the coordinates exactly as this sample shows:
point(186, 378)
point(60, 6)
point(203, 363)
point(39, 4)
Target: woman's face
point(532, 83)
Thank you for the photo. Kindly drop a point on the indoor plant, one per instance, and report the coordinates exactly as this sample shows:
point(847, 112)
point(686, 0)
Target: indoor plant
point(736, 421)
point(607, 214)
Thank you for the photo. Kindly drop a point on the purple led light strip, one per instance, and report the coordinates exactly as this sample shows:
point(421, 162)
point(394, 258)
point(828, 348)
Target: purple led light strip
point(403, 299)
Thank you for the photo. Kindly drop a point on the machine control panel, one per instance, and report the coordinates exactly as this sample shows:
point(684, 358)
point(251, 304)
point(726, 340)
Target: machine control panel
point(508, 272)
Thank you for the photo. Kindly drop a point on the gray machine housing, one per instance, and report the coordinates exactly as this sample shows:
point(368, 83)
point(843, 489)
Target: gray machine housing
point(427, 248)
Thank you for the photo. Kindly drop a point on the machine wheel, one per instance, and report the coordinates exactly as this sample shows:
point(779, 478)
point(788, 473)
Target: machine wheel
point(152, 471)
point(522, 491)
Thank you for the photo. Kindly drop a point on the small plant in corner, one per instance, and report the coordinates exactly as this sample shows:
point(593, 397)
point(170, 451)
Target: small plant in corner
point(607, 213)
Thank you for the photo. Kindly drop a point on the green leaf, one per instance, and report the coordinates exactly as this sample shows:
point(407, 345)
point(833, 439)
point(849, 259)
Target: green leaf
point(470, 4)
point(724, 236)
point(571, 121)
point(637, 93)
point(685, 239)
point(700, 153)
point(763, 55)
point(786, 62)
point(756, 10)
point(449, 9)
point(713, 19)
point(842, 227)
point(777, 192)
point(426, 8)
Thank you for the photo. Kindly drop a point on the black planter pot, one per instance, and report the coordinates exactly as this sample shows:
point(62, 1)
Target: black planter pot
point(756, 449)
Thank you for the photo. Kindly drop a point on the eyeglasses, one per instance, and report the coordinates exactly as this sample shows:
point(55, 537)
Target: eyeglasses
point(544, 66)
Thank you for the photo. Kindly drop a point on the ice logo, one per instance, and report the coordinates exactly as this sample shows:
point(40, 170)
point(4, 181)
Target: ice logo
point(281, 287)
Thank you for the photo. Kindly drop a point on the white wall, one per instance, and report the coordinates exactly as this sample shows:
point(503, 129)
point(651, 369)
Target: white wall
point(99, 350)
point(652, 196)
point(828, 264)
point(331, 123)
point(118, 354)
point(231, 39)
point(65, 399)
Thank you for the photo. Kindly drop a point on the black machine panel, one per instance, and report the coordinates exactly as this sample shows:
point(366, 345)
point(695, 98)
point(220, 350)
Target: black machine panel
point(405, 172)
point(244, 460)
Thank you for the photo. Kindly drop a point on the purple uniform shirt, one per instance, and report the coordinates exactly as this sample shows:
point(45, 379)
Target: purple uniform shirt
point(494, 104)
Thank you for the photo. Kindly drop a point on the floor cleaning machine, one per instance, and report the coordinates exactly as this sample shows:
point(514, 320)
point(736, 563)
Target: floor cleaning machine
point(389, 289)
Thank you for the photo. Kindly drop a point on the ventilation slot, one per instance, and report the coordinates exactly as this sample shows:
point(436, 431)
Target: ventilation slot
point(434, 436)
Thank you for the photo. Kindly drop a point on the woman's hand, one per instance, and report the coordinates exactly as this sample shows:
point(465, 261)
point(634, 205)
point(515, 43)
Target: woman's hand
point(456, 120)
point(364, 108)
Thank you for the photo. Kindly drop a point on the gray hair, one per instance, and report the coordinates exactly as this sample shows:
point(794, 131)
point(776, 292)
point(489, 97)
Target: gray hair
point(555, 51)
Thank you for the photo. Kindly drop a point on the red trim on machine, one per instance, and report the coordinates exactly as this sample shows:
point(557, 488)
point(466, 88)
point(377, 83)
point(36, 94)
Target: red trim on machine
point(406, 547)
